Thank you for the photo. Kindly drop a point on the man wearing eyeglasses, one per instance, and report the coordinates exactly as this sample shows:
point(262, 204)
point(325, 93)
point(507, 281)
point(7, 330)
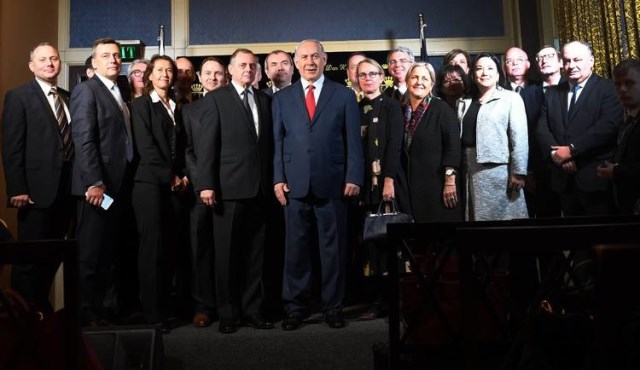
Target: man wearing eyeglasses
point(399, 60)
point(136, 72)
point(516, 66)
point(541, 200)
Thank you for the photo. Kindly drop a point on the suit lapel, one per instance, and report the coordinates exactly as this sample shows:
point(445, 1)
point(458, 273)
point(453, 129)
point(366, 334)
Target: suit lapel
point(584, 95)
point(248, 117)
point(42, 98)
point(105, 91)
point(326, 93)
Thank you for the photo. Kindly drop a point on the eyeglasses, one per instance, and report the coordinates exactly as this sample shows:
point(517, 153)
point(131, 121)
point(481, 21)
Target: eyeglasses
point(549, 56)
point(401, 61)
point(513, 62)
point(137, 73)
point(371, 75)
point(452, 81)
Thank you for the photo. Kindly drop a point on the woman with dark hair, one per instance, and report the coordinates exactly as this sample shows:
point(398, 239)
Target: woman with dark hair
point(158, 180)
point(432, 149)
point(458, 57)
point(381, 127)
point(451, 84)
point(495, 145)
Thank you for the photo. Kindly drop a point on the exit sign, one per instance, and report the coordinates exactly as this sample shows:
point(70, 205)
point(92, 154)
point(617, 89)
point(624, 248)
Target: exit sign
point(131, 50)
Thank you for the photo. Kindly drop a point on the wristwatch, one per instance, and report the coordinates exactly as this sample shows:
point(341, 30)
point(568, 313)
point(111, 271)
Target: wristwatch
point(450, 172)
point(572, 150)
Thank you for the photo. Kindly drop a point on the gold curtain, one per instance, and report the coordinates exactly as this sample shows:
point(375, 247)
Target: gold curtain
point(610, 26)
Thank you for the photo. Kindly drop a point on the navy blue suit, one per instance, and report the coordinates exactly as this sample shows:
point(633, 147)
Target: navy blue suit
point(100, 139)
point(316, 158)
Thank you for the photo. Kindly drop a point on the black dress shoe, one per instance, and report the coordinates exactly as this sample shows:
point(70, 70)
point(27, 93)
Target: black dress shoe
point(258, 322)
point(227, 326)
point(164, 326)
point(293, 321)
point(334, 319)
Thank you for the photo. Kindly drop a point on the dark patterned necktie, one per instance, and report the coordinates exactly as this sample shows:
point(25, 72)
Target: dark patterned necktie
point(63, 124)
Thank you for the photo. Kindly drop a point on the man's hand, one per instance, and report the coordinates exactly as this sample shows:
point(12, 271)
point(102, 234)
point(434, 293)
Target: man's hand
point(561, 154)
point(20, 200)
point(281, 189)
point(569, 167)
point(605, 170)
point(351, 190)
point(95, 194)
point(208, 197)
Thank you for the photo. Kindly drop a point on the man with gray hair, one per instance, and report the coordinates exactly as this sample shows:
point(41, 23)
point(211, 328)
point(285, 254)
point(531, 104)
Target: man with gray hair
point(399, 60)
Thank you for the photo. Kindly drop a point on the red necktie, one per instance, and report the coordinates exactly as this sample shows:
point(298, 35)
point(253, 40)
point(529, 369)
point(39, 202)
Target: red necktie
point(311, 102)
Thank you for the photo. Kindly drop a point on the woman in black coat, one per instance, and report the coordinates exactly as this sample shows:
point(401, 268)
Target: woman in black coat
point(159, 181)
point(382, 128)
point(432, 150)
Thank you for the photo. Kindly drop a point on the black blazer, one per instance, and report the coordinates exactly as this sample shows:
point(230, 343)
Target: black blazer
point(591, 127)
point(152, 129)
point(626, 175)
point(233, 160)
point(99, 136)
point(32, 150)
point(191, 120)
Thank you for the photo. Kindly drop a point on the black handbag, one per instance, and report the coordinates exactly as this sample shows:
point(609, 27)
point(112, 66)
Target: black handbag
point(375, 224)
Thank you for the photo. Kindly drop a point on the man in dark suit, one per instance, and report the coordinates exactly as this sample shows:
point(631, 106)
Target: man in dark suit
point(103, 167)
point(279, 68)
point(516, 68)
point(399, 60)
point(318, 163)
point(541, 200)
point(37, 154)
point(212, 75)
point(624, 170)
point(234, 151)
point(577, 131)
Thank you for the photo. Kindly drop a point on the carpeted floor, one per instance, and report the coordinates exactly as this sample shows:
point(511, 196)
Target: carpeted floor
point(313, 346)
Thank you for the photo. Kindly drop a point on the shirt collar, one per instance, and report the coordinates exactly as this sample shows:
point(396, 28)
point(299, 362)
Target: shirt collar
point(45, 86)
point(239, 88)
point(317, 84)
point(156, 98)
point(107, 82)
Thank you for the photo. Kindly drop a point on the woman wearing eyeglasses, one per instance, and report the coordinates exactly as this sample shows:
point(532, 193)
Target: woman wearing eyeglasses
point(432, 148)
point(381, 129)
point(451, 84)
point(136, 72)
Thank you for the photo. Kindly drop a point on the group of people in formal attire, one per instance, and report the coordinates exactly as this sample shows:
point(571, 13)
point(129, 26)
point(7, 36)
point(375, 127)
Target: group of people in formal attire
point(160, 178)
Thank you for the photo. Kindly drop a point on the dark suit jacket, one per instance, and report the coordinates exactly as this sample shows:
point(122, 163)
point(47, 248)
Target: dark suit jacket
point(191, 120)
point(626, 175)
point(32, 149)
point(152, 129)
point(99, 136)
point(533, 97)
point(268, 91)
point(321, 155)
point(591, 127)
point(232, 160)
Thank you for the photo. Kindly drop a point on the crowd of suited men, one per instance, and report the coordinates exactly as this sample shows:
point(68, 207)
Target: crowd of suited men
point(218, 208)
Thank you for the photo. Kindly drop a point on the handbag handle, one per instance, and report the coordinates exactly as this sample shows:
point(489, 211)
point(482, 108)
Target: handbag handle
point(394, 207)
